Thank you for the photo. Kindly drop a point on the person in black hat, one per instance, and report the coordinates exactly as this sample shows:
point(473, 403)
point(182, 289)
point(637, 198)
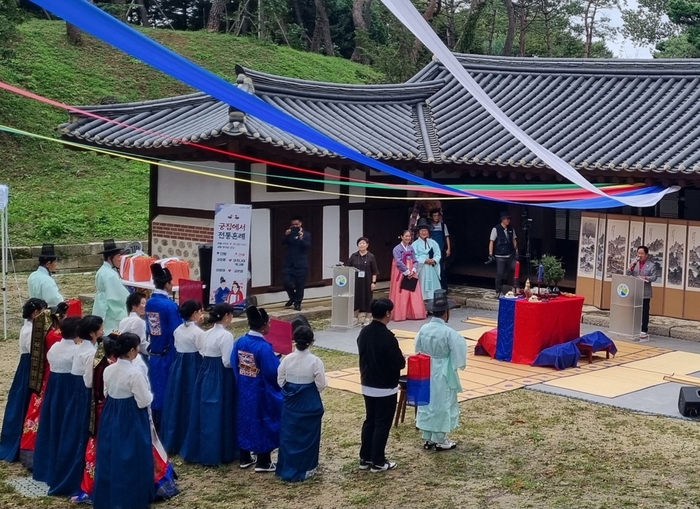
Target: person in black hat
point(110, 295)
point(162, 318)
point(448, 353)
point(503, 249)
point(255, 367)
point(428, 256)
point(41, 284)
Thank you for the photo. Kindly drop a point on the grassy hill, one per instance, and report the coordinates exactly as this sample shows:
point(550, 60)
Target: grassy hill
point(62, 196)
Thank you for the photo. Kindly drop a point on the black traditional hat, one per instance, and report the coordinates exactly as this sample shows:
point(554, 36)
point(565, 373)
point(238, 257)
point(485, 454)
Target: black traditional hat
point(110, 247)
point(257, 317)
point(504, 215)
point(423, 223)
point(440, 302)
point(161, 275)
point(48, 252)
point(222, 279)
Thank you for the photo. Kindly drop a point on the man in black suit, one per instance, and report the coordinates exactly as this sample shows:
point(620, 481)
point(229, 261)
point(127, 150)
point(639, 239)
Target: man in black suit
point(296, 262)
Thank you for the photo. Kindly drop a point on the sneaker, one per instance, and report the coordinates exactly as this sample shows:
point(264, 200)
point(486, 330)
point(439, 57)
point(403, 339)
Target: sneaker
point(250, 461)
point(644, 335)
point(289, 304)
point(364, 464)
point(446, 445)
point(429, 444)
point(82, 498)
point(388, 465)
point(266, 468)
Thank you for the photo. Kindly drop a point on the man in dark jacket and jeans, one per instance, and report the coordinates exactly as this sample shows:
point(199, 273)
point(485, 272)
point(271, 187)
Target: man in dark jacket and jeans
point(381, 362)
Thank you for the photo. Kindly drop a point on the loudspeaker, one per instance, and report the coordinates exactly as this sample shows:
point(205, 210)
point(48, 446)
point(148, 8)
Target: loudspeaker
point(689, 401)
point(205, 256)
point(299, 321)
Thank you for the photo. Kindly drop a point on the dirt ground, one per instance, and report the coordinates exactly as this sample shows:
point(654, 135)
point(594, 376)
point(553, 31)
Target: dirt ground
point(516, 449)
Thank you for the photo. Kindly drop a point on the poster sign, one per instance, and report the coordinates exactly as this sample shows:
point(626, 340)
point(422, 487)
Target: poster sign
point(587, 245)
point(230, 253)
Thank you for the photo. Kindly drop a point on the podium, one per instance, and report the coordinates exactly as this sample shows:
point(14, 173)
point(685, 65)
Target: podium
point(626, 301)
point(343, 301)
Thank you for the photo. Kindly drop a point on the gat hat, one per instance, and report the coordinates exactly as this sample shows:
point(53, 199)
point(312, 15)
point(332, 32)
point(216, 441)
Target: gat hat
point(423, 224)
point(110, 247)
point(257, 317)
point(222, 279)
point(440, 302)
point(48, 251)
point(161, 275)
point(504, 215)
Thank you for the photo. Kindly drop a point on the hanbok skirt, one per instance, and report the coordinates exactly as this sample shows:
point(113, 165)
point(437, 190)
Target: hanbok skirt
point(178, 400)
point(124, 470)
point(70, 436)
point(300, 435)
point(211, 434)
point(15, 411)
point(407, 305)
point(31, 426)
point(54, 407)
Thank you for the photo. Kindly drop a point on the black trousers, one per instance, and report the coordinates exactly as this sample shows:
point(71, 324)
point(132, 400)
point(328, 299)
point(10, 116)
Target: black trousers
point(443, 271)
point(294, 282)
point(375, 429)
point(505, 268)
point(645, 315)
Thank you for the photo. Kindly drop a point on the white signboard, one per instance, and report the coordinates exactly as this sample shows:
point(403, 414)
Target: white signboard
point(229, 263)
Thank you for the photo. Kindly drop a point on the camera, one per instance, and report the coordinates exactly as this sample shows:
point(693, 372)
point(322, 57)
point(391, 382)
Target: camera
point(295, 230)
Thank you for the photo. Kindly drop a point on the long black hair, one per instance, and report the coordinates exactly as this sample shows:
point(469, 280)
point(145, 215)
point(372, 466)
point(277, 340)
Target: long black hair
point(88, 325)
point(189, 308)
point(124, 343)
point(31, 306)
point(218, 311)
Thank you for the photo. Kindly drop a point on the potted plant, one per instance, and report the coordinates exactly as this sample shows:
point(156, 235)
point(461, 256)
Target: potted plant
point(553, 270)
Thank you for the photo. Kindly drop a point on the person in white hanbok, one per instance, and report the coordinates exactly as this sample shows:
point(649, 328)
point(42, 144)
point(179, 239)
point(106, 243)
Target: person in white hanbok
point(134, 323)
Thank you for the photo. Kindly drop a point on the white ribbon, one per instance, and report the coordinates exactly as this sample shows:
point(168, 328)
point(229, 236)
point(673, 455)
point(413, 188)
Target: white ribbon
point(414, 21)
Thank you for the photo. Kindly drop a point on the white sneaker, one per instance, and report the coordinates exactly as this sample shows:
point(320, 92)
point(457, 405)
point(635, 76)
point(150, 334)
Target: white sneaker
point(644, 336)
point(446, 445)
point(388, 465)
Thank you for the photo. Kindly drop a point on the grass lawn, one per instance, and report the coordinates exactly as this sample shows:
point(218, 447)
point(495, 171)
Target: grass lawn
point(516, 449)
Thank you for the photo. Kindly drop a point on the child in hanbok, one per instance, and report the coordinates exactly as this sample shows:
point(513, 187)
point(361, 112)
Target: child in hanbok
point(408, 304)
point(19, 395)
point(46, 332)
point(56, 404)
point(211, 434)
point(259, 396)
point(189, 342)
point(302, 378)
point(124, 469)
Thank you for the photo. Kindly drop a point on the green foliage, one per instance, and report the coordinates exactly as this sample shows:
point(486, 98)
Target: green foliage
point(686, 13)
point(676, 47)
point(63, 196)
point(553, 268)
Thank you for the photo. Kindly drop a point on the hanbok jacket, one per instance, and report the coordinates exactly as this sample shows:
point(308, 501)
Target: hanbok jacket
point(42, 286)
point(110, 299)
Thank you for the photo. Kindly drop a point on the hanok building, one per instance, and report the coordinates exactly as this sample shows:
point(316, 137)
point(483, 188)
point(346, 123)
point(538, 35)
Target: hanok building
point(619, 121)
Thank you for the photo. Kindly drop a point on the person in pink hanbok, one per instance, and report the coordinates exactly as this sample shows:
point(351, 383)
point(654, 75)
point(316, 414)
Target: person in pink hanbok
point(408, 305)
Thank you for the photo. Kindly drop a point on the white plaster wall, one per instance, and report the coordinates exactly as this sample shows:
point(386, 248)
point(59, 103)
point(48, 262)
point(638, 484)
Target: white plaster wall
point(357, 174)
point(355, 229)
point(177, 188)
point(331, 239)
point(259, 192)
point(260, 248)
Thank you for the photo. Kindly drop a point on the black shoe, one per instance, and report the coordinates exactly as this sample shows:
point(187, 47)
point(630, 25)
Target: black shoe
point(270, 467)
point(289, 303)
point(248, 462)
point(429, 444)
point(365, 465)
point(297, 307)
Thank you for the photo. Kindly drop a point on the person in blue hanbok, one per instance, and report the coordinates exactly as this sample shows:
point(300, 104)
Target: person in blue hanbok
point(448, 353)
point(189, 343)
point(427, 253)
point(211, 433)
point(302, 378)
point(162, 318)
point(70, 456)
point(124, 456)
point(110, 293)
point(56, 403)
point(259, 397)
point(18, 397)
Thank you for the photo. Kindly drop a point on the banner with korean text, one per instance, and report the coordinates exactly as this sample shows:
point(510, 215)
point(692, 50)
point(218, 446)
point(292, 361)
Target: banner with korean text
point(230, 253)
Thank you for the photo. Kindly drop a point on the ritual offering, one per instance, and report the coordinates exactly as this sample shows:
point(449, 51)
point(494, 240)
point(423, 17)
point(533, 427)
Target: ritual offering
point(180, 269)
point(418, 380)
point(136, 267)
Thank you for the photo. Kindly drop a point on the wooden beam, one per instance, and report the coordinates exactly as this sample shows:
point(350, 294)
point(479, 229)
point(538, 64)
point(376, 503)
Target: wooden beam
point(683, 379)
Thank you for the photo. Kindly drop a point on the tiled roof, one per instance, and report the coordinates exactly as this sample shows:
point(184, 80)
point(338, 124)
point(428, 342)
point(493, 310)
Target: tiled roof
point(637, 115)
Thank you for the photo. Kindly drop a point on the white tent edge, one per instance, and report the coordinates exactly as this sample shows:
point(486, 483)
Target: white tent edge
point(4, 251)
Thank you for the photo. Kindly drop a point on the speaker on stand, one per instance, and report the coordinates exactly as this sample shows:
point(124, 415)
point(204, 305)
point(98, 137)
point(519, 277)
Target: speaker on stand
point(689, 402)
point(205, 258)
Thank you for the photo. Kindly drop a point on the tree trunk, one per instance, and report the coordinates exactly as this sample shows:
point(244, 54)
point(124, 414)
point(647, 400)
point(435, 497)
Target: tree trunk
point(359, 20)
point(466, 39)
point(300, 22)
point(510, 34)
point(75, 36)
point(492, 31)
point(322, 30)
point(523, 26)
point(431, 11)
point(215, 13)
point(143, 14)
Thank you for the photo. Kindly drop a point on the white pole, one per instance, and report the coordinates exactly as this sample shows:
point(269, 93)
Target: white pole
point(4, 235)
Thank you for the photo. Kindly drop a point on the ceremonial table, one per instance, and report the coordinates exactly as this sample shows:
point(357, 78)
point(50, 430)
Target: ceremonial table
point(526, 328)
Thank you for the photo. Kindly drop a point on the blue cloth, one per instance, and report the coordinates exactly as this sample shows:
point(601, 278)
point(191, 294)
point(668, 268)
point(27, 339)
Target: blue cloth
point(506, 329)
point(565, 355)
point(178, 400)
point(300, 435)
point(15, 411)
point(220, 294)
point(598, 341)
point(259, 397)
point(75, 430)
point(59, 390)
point(211, 434)
point(124, 471)
point(162, 318)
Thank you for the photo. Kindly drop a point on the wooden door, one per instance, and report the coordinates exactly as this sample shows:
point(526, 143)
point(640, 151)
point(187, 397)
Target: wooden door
point(383, 227)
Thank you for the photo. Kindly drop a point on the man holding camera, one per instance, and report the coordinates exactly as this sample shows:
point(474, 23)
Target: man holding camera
point(296, 263)
point(503, 249)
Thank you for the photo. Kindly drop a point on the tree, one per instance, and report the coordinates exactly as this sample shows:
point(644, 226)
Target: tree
point(510, 34)
point(362, 19)
point(322, 30)
point(676, 47)
point(218, 8)
point(686, 13)
point(647, 24)
point(73, 33)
